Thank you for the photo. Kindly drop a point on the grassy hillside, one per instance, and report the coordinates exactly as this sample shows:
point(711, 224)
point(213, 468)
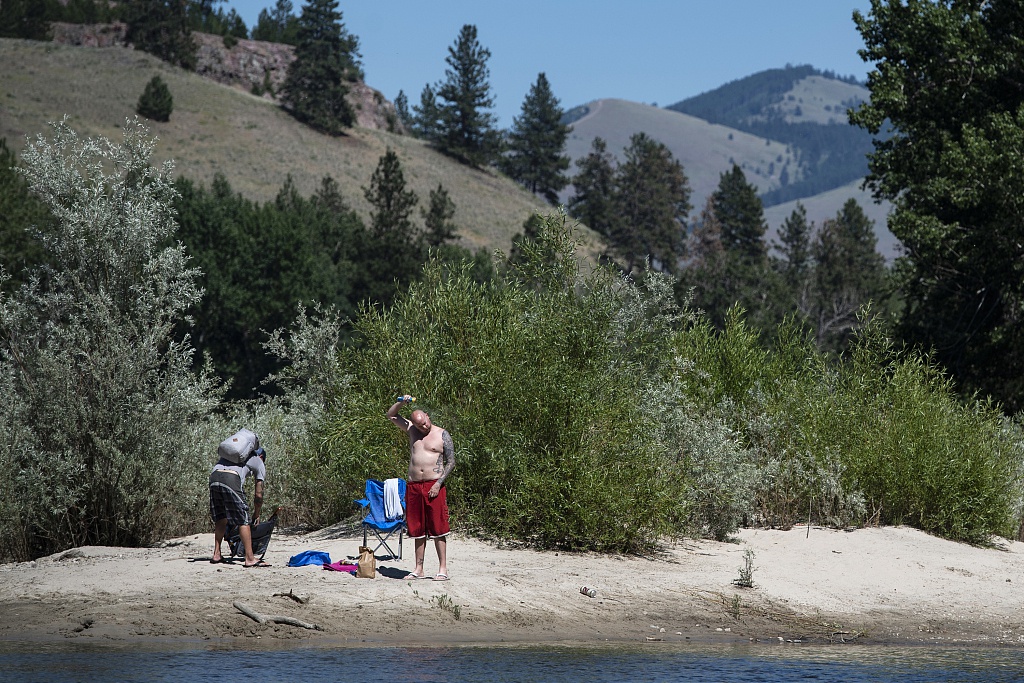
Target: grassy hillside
point(816, 99)
point(706, 150)
point(803, 108)
point(215, 128)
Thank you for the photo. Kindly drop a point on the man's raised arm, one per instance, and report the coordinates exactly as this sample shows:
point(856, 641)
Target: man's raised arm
point(393, 415)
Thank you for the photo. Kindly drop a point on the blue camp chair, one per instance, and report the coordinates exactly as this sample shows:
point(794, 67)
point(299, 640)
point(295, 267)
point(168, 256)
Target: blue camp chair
point(376, 522)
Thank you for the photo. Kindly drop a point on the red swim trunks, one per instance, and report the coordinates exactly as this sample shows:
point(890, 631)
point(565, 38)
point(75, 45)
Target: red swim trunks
point(425, 518)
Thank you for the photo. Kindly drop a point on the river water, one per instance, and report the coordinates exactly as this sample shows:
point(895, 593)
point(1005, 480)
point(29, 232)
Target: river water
point(618, 664)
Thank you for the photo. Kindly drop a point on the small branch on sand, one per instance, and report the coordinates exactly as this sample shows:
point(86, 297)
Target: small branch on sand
point(290, 594)
point(277, 619)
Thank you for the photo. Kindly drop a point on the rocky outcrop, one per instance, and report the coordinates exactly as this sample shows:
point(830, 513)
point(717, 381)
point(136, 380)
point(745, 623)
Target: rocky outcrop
point(90, 35)
point(252, 65)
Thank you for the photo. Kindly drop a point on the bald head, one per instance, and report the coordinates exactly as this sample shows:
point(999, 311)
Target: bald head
point(421, 421)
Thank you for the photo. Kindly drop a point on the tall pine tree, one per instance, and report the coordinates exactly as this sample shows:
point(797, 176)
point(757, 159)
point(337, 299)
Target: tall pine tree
point(795, 265)
point(278, 25)
point(593, 201)
point(437, 220)
point(742, 274)
point(396, 250)
point(326, 57)
point(161, 28)
point(653, 201)
point(849, 273)
point(534, 155)
point(466, 130)
point(741, 214)
point(426, 120)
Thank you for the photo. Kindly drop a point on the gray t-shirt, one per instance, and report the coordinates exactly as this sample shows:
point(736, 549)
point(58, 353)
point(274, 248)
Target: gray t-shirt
point(254, 464)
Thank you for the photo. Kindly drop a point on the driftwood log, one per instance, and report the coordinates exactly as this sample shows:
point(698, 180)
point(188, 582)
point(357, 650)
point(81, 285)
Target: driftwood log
point(277, 619)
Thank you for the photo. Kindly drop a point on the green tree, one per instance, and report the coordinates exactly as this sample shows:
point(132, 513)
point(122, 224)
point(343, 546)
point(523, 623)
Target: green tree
point(278, 25)
point(437, 220)
point(156, 102)
point(741, 214)
point(326, 57)
point(795, 247)
point(946, 108)
point(466, 130)
point(535, 144)
point(402, 110)
point(396, 245)
point(90, 366)
point(742, 274)
point(28, 19)
point(259, 262)
point(22, 216)
point(204, 16)
point(593, 200)
point(652, 201)
point(161, 28)
point(849, 273)
point(426, 120)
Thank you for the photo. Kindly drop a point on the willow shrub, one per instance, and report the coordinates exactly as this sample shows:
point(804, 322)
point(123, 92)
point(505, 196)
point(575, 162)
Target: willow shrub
point(880, 437)
point(537, 375)
point(922, 456)
point(105, 421)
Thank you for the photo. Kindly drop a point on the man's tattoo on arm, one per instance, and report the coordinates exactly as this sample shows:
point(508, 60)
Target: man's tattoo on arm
point(446, 461)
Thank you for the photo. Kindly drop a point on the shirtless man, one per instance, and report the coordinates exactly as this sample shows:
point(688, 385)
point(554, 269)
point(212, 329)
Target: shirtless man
point(431, 459)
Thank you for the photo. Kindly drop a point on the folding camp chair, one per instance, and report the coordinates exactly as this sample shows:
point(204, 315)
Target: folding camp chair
point(260, 537)
point(376, 520)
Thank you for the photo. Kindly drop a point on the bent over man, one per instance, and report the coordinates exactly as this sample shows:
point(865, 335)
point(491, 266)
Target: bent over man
point(431, 460)
point(227, 502)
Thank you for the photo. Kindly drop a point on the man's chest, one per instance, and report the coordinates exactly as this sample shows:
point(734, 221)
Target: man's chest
point(431, 442)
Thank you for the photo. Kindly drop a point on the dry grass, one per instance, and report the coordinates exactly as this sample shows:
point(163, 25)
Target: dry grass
point(215, 128)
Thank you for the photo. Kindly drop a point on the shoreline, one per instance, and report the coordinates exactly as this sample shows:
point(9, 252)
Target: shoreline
point(875, 586)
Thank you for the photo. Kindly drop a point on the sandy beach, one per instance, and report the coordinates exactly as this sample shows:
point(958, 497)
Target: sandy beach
point(874, 585)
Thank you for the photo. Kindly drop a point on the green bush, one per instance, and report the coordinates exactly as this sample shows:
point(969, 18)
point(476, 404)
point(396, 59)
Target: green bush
point(156, 103)
point(879, 437)
point(536, 375)
point(107, 427)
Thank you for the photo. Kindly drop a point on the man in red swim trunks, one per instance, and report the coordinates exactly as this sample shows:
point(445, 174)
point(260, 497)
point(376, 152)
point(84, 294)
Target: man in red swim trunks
point(431, 460)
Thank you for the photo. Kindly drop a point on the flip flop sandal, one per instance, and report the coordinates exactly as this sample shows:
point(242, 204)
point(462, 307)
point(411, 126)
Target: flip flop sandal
point(259, 563)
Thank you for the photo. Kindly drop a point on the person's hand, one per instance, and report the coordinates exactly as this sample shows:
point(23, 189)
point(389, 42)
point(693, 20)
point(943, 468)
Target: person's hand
point(434, 490)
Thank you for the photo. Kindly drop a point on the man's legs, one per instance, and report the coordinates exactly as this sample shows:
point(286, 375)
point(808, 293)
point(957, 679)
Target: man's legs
point(441, 544)
point(420, 549)
point(219, 529)
point(245, 533)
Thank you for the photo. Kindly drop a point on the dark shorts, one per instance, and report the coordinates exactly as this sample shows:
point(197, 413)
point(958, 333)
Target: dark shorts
point(226, 501)
point(425, 518)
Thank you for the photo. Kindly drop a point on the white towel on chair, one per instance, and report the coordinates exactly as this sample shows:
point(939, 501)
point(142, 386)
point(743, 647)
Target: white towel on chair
point(392, 500)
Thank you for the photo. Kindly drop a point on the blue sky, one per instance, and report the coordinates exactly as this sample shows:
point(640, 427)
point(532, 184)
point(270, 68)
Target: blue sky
point(651, 51)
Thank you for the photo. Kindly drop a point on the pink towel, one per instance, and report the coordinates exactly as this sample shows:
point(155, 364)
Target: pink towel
point(339, 567)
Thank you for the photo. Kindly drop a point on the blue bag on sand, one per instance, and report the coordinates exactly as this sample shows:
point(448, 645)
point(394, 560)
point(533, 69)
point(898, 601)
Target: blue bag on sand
point(309, 557)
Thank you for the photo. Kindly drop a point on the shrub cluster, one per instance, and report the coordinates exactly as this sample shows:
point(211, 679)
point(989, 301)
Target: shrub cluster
point(589, 411)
